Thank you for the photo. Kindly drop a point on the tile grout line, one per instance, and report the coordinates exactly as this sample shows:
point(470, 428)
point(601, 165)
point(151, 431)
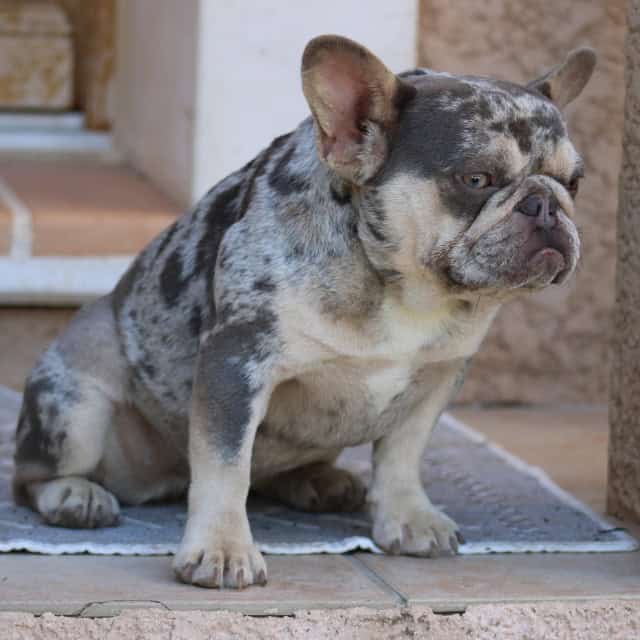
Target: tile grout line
point(403, 601)
point(21, 223)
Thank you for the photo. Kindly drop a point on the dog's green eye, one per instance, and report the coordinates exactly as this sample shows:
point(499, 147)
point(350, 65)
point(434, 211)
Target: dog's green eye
point(477, 180)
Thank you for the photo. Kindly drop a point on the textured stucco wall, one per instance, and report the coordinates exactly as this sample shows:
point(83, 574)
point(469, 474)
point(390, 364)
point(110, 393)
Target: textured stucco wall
point(554, 347)
point(613, 620)
point(624, 407)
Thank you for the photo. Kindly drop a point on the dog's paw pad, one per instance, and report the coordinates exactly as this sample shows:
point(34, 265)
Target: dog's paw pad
point(77, 503)
point(423, 532)
point(232, 566)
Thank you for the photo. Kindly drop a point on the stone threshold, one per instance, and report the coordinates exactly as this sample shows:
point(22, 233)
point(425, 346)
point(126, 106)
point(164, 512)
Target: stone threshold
point(93, 586)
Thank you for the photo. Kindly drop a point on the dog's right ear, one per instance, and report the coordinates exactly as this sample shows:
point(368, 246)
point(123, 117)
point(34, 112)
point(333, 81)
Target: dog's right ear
point(355, 101)
point(565, 83)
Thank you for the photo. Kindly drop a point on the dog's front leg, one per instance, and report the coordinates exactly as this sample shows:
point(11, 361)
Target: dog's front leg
point(230, 396)
point(404, 519)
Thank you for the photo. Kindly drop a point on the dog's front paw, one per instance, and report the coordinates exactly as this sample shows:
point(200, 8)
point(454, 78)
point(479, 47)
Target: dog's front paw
point(417, 531)
point(221, 563)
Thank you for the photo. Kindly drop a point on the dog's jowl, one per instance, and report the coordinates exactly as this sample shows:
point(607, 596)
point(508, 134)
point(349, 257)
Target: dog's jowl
point(329, 293)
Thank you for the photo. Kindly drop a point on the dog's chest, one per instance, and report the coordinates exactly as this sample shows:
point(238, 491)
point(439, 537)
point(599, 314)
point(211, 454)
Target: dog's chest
point(361, 382)
point(342, 403)
point(382, 384)
point(358, 383)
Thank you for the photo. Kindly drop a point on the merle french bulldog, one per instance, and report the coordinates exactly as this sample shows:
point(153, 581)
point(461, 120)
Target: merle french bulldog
point(329, 293)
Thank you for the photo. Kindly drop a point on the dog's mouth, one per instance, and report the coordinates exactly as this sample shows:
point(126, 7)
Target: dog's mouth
point(520, 258)
point(550, 260)
point(550, 256)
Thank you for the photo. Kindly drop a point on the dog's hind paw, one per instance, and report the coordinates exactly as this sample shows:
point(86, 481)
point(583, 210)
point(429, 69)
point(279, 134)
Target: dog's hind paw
point(318, 487)
point(76, 503)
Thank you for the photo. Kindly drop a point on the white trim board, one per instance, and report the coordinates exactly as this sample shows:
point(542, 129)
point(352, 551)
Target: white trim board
point(59, 281)
point(55, 141)
point(38, 121)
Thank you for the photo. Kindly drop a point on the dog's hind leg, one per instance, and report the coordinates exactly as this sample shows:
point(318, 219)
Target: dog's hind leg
point(74, 502)
point(68, 406)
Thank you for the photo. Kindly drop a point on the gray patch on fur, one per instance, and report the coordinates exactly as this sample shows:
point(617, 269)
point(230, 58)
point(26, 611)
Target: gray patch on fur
point(223, 385)
point(41, 431)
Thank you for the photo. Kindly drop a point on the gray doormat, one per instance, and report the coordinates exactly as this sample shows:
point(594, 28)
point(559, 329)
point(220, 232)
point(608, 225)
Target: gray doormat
point(500, 503)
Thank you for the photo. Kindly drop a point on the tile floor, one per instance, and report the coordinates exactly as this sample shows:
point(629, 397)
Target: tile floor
point(568, 443)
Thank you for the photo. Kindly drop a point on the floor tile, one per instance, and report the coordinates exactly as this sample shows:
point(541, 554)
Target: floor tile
point(451, 584)
point(88, 209)
point(96, 586)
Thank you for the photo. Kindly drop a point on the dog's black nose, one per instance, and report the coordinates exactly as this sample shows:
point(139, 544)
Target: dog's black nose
point(541, 207)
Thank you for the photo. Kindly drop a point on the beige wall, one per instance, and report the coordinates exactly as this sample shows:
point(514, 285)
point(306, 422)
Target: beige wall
point(154, 103)
point(554, 348)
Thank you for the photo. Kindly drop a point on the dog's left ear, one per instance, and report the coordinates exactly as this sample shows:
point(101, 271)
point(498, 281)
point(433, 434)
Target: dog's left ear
point(355, 101)
point(565, 83)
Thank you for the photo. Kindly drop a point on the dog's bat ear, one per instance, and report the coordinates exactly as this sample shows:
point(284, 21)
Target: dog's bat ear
point(355, 101)
point(565, 83)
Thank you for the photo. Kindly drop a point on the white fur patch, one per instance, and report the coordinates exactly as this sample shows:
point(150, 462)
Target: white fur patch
point(407, 330)
point(385, 383)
